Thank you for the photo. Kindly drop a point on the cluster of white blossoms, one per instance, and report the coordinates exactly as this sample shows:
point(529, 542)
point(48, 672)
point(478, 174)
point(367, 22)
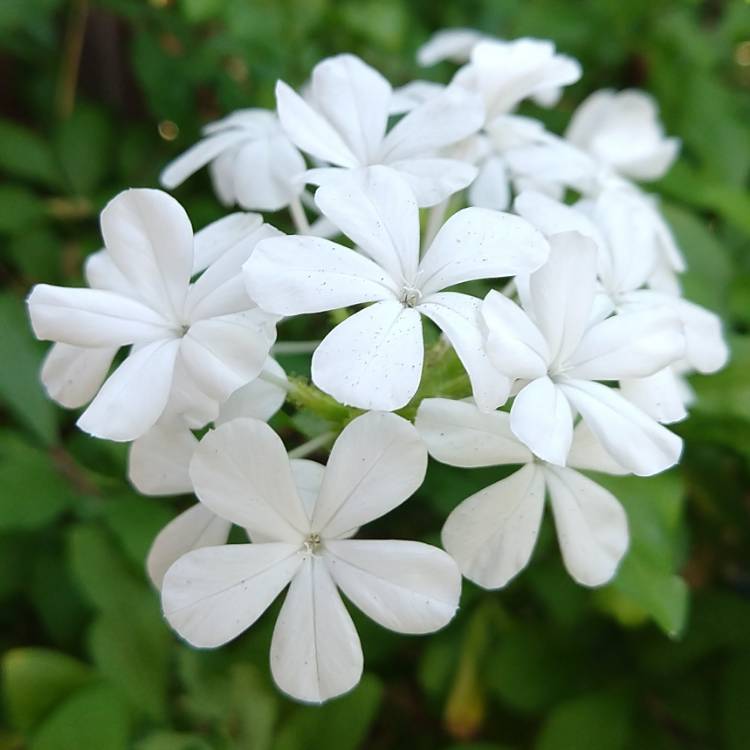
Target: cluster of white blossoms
point(573, 360)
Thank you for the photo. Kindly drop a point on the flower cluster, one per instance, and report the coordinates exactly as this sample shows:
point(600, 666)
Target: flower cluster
point(546, 276)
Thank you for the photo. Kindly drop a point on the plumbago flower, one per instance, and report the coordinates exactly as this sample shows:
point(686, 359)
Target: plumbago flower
point(491, 535)
point(251, 160)
point(612, 138)
point(208, 332)
point(627, 266)
point(558, 350)
point(373, 360)
point(344, 124)
point(241, 472)
point(504, 74)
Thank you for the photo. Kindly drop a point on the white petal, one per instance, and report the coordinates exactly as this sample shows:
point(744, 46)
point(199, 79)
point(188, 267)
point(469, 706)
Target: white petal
point(259, 399)
point(554, 217)
point(514, 344)
point(541, 418)
point(432, 179)
point(491, 189)
point(408, 587)
point(266, 173)
point(197, 156)
point(562, 292)
point(448, 44)
point(215, 239)
point(444, 119)
point(92, 318)
point(592, 528)
point(376, 209)
point(458, 316)
point(508, 72)
point(376, 463)
point(223, 354)
point(554, 162)
point(659, 395)
point(636, 441)
point(72, 375)
point(101, 272)
point(459, 434)
point(355, 99)
point(706, 348)
point(477, 243)
point(405, 98)
point(194, 528)
point(187, 401)
point(310, 131)
point(308, 478)
point(295, 275)
point(315, 650)
point(221, 288)
point(241, 472)
point(211, 595)
point(135, 394)
point(150, 239)
point(158, 461)
point(629, 345)
point(373, 360)
point(491, 535)
point(587, 452)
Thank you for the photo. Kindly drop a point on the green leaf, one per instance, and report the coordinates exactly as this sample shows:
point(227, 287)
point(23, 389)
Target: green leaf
point(647, 576)
point(20, 388)
point(36, 680)
point(21, 208)
point(735, 702)
point(341, 724)
point(94, 718)
point(84, 142)
point(26, 155)
point(133, 653)
point(727, 392)
point(173, 741)
point(591, 722)
point(102, 572)
point(709, 272)
point(136, 521)
point(34, 492)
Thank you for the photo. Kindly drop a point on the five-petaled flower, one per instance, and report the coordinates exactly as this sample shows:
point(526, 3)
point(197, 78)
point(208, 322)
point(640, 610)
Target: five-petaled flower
point(206, 336)
point(492, 534)
point(373, 359)
point(344, 124)
point(558, 349)
point(302, 539)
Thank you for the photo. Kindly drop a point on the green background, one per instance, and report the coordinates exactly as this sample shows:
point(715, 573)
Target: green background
point(659, 659)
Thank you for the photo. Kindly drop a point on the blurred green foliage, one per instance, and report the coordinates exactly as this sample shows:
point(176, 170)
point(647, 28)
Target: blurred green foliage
point(658, 660)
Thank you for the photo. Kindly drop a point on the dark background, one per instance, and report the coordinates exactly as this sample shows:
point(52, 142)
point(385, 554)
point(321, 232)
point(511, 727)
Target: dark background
point(97, 97)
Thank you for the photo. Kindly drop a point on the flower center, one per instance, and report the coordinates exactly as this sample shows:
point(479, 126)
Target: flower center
point(312, 544)
point(410, 296)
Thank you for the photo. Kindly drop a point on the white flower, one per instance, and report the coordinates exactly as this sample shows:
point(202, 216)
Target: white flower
point(622, 130)
point(492, 534)
point(627, 257)
point(241, 472)
point(208, 331)
point(373, 359)
point(251, 160)
point(344, 124)
point(158, 461)
point(612, 137)
point(558, 349)
point(506, 73)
